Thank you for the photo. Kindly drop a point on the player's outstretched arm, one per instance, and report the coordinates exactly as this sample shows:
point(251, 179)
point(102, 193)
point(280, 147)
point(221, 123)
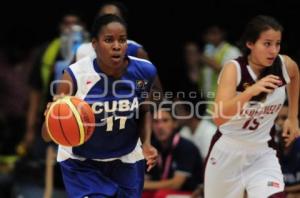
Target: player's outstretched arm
point(149, 151)
point(291, 125)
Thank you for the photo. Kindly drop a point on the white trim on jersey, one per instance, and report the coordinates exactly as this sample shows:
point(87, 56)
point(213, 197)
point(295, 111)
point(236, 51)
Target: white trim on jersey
point(139, 59)
point(237, 66)
point(251, 72)
point(65, 152)
point(134, 42)
point(84, 50)
point(284, 71)
point(87, 78)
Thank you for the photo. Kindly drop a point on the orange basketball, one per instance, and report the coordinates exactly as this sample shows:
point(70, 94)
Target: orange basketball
point(70, 121)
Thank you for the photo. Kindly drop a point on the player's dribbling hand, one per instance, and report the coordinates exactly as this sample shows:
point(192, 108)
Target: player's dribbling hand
point(266, 84)
point(55, 98)
point(290, 131)
point(151, 155)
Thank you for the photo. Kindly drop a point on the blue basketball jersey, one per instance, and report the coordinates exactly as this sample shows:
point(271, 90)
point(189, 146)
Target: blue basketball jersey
point(115, 103)
point(133, 47)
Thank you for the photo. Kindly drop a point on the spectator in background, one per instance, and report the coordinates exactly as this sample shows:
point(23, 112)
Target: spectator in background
point(49, 63)
point(179, 166)
point(48, 66)
point(14, 64)
point(191, 53)
point(119, 9)
point(216, 52)
point(289, 157)
point(191, 61)
point(194, 126)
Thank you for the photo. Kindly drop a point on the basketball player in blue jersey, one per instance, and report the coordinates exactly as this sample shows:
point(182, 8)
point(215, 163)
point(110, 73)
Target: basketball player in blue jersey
point(251, 91)
point(117, 8)
point(111, 163)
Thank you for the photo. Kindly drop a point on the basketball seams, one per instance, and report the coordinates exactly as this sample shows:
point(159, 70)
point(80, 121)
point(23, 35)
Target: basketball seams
point(62, 128)
point(85, 117)
point(77, 117)
point(47, 124)
point(86, 114)
point(82, 111)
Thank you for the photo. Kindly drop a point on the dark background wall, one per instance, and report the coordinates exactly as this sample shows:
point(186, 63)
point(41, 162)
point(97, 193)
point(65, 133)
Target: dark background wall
point(161, 26)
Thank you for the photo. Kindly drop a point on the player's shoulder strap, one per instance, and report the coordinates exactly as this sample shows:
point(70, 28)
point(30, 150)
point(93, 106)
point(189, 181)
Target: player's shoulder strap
point(283, 74)
point(246, 79)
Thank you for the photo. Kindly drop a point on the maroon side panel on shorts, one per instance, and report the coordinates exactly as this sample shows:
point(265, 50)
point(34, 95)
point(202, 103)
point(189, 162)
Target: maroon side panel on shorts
point(215, 138)
point(278, 195)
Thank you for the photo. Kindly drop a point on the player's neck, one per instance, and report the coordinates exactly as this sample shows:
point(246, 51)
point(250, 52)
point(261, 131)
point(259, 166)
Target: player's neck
point(115, 72)
point(256, 68)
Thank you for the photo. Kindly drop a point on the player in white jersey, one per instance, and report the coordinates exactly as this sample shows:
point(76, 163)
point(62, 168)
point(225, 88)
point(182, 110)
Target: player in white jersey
point(251, 91)
point(116, 8)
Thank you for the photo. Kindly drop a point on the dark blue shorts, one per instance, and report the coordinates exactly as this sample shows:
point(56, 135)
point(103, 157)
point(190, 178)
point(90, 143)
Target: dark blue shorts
point(92, 179)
